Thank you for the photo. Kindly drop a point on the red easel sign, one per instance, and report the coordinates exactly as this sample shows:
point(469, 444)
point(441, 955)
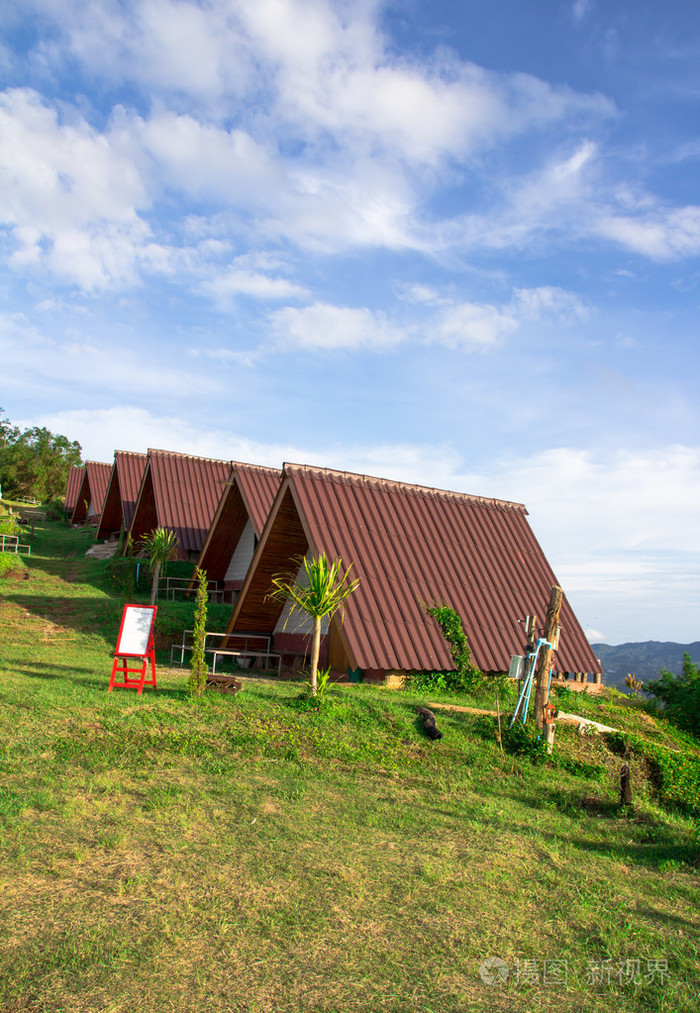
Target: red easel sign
point(135, 644)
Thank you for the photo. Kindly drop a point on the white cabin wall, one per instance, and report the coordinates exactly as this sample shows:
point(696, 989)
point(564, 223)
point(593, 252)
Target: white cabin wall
point(243, 555)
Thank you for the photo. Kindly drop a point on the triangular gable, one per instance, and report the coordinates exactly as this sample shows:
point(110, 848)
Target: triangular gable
point(247, 499)
point(92, 491)
point(408, 545)
point(179, 492)
point(122, 493)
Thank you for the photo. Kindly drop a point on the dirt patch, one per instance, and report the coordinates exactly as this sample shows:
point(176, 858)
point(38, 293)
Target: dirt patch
point(16, 575)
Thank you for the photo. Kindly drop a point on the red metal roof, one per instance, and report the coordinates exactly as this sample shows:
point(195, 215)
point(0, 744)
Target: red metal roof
point(258, 487)
point(122, 493)
point(75, 478)
point(411, 545)
point(130, 468)
point(186, 490)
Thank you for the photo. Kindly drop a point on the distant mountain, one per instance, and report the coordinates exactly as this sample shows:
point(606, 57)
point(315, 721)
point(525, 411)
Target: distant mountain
point(644, 660)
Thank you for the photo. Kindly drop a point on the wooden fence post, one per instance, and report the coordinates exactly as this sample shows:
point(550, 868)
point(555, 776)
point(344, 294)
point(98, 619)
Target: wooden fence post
point(551, 628)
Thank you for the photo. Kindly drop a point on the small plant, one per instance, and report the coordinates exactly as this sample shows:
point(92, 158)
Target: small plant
point(634, 684)
point(320, 592)
point(160, 546)
point(198, 666)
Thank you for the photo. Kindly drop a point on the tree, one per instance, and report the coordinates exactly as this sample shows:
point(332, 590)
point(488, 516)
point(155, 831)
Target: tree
point(680, 695)
point(35, 462)
point(318, 591)
point(159, 546)
point(198, 666)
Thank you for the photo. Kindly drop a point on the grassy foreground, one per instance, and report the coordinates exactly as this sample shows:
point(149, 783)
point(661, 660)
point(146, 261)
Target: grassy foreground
point(238, 854)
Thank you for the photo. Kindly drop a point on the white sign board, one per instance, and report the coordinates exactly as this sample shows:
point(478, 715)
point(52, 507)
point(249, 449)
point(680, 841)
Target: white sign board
point(135, 634)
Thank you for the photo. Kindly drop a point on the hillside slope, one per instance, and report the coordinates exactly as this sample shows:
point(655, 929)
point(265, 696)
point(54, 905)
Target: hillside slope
point(243, 853)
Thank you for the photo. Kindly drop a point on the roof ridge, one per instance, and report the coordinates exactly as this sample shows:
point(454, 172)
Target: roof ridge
point(191, 457)
point(258, 467)
point(373, 480)
point(132, 453)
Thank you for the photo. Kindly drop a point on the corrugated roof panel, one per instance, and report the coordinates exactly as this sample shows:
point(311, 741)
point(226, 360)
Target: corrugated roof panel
point(98, 477)
point(187, 491)
point(75, 478)
point(259, 487)
point(130, 468)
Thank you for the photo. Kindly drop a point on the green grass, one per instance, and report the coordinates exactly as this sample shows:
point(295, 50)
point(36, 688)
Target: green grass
point(240, 854)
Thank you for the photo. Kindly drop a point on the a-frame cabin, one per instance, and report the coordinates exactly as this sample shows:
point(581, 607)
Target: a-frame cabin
point(122, 493)
point(91, 494)
point(179, 492)
point(409, 546)
point(237, 525)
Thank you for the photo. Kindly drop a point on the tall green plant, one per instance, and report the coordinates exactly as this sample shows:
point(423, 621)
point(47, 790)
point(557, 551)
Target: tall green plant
point(319, 591)
point(160, 546)
point(466, 675)
point(198, 666)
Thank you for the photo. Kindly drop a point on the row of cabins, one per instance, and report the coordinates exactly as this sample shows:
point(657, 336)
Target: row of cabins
point(409, 546)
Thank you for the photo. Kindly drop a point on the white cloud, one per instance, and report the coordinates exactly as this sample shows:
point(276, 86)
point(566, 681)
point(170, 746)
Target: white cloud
point(322, 326)
point(580, 10)
point(470, 325)
point(662, 234)
point(69, 195)
point(251, 283)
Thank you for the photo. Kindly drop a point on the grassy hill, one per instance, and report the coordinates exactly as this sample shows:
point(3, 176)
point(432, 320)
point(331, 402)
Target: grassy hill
point(244, 854)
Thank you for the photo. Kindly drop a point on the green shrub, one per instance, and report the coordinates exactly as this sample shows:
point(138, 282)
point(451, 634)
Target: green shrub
point(680, 695)
point(523, 740)
point(675, 776)
point(9, 526)
point(54, 510)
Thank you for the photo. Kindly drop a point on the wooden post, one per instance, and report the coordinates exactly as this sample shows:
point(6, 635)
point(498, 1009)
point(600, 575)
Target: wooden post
point(549, 728)
point(551, 628)
point(625, 785)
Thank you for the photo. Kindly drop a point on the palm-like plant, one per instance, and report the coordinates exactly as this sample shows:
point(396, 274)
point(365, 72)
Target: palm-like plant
point(159, 546)
point(319, 591)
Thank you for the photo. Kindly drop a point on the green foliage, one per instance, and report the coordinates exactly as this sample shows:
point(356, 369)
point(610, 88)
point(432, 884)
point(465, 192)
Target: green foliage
point(198, 666)
point(9, 526)
point(319, 592)
point(466, 677)
point(680, 695)
point(160, 546)
point(35, 462)
point(675, 775)
point(436, 682)
point(523, 740)
point(54, 510)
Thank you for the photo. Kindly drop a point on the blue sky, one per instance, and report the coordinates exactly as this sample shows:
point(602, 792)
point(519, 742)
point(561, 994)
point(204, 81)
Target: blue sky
point(454, 244)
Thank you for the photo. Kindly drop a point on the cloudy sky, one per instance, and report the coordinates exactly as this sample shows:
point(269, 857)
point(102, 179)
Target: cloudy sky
point(451, 243)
